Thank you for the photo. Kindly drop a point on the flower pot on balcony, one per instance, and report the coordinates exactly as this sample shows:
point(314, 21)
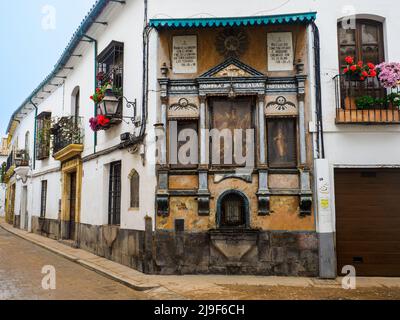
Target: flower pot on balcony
point(353, 77)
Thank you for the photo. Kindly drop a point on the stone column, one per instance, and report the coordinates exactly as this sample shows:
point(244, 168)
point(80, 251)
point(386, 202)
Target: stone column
point(306, 194)
point(164, 122)
point(203, 192)
point(261, 129)
point(203, 135)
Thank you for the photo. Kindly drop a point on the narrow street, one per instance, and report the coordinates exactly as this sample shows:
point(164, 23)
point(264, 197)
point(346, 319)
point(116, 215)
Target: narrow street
point(21, 264)
point(21, 275)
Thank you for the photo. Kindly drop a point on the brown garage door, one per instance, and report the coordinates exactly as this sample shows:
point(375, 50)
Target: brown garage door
point(368, 220)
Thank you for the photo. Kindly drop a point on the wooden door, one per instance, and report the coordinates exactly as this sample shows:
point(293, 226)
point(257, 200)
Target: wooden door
point(72, 206)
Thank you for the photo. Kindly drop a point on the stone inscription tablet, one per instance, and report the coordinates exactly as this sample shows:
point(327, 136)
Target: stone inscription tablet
point(280, 51)
point(184, 54)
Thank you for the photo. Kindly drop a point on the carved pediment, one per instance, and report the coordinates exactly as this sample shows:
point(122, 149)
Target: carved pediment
point(232, 67)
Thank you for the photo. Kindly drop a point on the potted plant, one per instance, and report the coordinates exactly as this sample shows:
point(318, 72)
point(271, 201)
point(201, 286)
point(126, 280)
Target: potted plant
point(365, 102)
point(389, 74)
point(358, 71)
point(393, 100)
point(100, 122)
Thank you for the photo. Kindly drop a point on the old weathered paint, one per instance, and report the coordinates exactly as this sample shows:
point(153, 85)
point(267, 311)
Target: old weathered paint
point(284, 181)
point(183, 182)
point(209, 57)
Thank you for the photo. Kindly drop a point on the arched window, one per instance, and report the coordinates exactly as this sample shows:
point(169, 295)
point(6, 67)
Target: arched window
point(364, 42)
point(27, 142)
point(233, 210)
point(134, 188)
point(75, 102)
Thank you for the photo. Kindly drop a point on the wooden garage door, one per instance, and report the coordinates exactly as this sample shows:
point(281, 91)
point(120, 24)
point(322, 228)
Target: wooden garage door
point(368, 221)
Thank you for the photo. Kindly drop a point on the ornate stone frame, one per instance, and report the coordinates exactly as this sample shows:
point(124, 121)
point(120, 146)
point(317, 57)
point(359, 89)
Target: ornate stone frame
point(247, 82)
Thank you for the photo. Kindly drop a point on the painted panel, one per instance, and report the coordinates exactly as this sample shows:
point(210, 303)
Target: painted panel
point(284, 181)
point(180, 182)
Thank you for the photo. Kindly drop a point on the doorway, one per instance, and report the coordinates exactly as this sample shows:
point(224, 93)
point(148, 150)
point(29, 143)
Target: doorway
point(368, 221)
point(24, 208)
point(11, 205)
point(72, 205)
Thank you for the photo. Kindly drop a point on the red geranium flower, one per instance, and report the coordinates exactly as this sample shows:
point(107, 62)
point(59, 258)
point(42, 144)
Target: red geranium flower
point(353, 68)
point(362, 78)
point(371, 65)
point(102, 120)
point(91, 97)
point(346, 70)
point(365, 74)
point(349, 60)
point(372, 73)
point(360, 64)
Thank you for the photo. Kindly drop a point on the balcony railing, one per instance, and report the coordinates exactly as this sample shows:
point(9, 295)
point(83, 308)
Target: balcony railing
point(67, 131)
point(365, 102)
point(19, 158)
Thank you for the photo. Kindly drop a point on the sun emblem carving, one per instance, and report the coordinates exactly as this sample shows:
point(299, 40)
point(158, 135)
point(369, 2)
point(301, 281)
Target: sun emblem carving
point(232, 42)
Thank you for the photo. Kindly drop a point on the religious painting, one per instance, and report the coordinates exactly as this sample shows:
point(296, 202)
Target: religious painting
point(282, 142)
point(183, 143)
point(230, 141)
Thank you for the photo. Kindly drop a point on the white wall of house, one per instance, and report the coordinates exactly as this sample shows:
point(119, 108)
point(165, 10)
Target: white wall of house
point(125, 24)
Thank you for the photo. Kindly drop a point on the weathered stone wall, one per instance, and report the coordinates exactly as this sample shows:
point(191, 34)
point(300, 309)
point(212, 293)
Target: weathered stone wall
point(255, 252)
point(46, 227)
point(126, 247)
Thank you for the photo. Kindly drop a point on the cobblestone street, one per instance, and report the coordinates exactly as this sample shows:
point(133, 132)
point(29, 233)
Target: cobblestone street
point(21, 265)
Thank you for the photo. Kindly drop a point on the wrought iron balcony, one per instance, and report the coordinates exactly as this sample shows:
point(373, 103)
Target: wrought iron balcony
point(19, 158)
point(67, 131)
point(365, 102)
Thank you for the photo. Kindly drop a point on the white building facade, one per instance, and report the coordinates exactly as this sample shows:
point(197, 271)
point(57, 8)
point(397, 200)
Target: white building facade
point(115, 192)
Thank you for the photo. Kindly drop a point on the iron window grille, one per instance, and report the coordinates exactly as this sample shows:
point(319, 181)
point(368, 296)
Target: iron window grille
point(43, 199)
point(43, 125)
point(114, 196)
point(233, 212)
point(111, 69)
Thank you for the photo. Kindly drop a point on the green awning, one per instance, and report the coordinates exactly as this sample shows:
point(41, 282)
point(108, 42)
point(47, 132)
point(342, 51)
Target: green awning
point(233, 22)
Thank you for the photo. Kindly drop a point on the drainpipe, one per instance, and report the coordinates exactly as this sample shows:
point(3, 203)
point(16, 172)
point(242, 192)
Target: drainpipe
point(322, 181)
point(318, 100)
point(95, 81)
point(34, 134)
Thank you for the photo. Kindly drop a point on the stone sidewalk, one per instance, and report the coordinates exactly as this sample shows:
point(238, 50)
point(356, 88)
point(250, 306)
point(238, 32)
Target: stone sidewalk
point(184, 287)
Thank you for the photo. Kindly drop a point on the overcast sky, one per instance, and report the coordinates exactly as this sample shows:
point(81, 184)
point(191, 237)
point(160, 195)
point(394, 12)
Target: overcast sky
point(33, 34)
